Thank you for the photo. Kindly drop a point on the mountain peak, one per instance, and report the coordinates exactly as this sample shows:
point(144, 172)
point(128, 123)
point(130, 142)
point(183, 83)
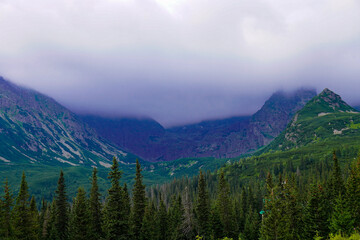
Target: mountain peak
point(325, 103)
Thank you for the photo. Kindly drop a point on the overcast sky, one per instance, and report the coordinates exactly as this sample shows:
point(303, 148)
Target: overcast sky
point(179, 61)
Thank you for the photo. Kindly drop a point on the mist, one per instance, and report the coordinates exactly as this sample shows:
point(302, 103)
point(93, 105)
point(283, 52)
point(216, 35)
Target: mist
point(179, 61)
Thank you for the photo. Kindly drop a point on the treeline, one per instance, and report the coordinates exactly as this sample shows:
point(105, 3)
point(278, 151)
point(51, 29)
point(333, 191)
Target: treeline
point(280, 207)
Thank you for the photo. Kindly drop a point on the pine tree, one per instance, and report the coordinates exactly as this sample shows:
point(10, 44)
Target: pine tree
point(273, 224)
point(175, 217)
point(22, 216)
point(251, 227)
point(353, 192)
point(341, 218)
point(139, 201)
point(95, 209)
point(187, 230)
point(203, 209)
point(216, 224)
point(49, 228)
point(336, 184)
point(149, 226)
point(224, 206)
point(6, 228)
point(34, 215)
point(126, 213)
point(115, 225)
point(42, 216)
point(315, 216)
point(293, 211)
point(80, 217)
point(162, 221)
point(61, 210)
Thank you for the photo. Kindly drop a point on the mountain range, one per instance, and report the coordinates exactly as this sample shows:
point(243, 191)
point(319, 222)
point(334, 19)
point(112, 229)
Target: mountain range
point(35, 128)
point(40, 136)
point(223, 138)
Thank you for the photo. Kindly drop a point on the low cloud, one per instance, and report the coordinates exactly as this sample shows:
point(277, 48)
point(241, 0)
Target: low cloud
point(179, 61)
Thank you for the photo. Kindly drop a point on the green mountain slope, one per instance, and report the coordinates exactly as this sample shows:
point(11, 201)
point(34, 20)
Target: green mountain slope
point(325, 118)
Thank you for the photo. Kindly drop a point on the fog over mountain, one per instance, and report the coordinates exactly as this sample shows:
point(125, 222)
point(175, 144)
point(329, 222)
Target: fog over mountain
point(179, 61)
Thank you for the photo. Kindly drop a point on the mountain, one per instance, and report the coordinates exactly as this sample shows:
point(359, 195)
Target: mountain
point(35, 128)
point(325, 118)
point(223, 138)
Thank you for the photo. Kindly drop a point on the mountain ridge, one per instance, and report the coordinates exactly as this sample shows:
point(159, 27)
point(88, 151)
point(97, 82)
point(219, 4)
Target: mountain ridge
point(35, 128)
point(224, 138)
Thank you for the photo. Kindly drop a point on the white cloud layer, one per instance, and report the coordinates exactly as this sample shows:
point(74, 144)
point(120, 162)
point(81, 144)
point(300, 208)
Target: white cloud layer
point(179, 60)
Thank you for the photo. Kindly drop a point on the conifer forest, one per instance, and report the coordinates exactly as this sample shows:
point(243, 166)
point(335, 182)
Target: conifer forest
point(287, 204)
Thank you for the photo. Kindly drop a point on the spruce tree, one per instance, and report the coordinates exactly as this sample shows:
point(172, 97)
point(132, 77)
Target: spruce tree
point(187, 230)
point(162, 221)
point(341, 218)
point(203, 209)
point(22, 215)
point(149, 226)
point(34, 215)
point(42, 216)
point(80, 217)
point(95, 209)
point(353, 192)
point(115, 224)
point(6, 228)
point(62, 210)
point(138, 203)
point(126, 212)
point(273, 224)
point(225, 209)
point(175, 217)
point(293, 228)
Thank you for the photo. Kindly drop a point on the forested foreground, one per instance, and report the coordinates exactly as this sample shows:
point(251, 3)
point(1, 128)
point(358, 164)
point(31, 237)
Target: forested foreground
point(284, 206)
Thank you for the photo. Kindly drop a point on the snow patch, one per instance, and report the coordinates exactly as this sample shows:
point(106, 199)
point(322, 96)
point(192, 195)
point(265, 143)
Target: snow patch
point(64, 161)
point(4, 159)
point(323, 114)
point(107, 165)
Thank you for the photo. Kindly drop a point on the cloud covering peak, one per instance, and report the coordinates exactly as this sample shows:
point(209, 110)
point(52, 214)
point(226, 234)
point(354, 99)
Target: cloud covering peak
point(179, 60)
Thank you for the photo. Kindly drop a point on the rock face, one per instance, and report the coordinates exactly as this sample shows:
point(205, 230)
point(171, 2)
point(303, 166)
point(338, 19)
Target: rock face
point(229, 137)
point(35, 128)
point(324, 117)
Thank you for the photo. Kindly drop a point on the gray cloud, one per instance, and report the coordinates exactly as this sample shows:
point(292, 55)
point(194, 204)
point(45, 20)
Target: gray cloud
point(179, 60)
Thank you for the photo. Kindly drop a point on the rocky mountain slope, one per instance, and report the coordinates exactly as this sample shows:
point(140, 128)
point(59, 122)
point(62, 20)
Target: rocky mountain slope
point(36, 129)
point(324, 118)
point(219, 138)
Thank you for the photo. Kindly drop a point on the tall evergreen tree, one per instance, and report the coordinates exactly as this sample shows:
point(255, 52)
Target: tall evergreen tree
point(61, 210)
point(22, 215)
point(341, 218)
point(6, 228)
point(187, 230)
point(175, 217)
point(149, 225)
point(162, 221)
point(353, 192)
point(34, 215)
point(224, 206)
point(315, 216)
point(115, 224)
point(80, 224)
point(139, 201)
point(95, 209)
point(273, 224)
point(203, 209)
point(293, 211)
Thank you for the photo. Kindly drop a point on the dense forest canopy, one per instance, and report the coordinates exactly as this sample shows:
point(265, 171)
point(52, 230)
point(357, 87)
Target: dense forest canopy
point(308, 201)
